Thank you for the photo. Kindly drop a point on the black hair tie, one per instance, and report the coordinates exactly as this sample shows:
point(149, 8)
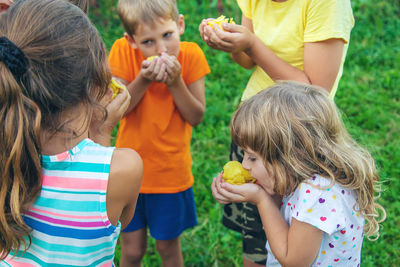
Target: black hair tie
point(13, 58)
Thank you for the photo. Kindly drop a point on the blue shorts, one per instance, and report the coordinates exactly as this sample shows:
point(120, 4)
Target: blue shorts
point(166, 215)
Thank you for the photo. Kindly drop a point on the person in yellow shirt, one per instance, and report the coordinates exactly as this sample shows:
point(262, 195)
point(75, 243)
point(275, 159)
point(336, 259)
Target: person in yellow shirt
point(302, 40)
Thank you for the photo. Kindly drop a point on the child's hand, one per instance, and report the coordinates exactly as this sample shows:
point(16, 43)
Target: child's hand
point(215, 185)
point(155, 70)
point(225, 193)
point(173, 68)
point(99, 130)
point(233, 39)
point(117, 107)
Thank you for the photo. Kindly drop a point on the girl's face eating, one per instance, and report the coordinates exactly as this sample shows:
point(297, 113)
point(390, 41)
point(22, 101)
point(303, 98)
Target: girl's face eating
point(255, 164)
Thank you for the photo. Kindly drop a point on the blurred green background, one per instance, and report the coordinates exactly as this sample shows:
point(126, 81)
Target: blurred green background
point(368, 96)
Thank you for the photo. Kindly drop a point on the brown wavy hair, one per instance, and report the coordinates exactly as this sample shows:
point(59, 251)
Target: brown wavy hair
point(67, 66)
point(297, 129)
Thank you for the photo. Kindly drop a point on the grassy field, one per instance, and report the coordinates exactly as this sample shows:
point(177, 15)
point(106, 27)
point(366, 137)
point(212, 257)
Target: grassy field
point(368, 96)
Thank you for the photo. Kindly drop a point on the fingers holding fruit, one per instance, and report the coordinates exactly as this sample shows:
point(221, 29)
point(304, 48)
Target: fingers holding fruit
point(235, 184)
point(234, 173)
point(223, 34)
point(173, 68)
point(216, 189)
point(154, 69)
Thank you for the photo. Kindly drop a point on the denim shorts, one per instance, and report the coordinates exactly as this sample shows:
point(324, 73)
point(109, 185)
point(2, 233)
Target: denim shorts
point(166, 215)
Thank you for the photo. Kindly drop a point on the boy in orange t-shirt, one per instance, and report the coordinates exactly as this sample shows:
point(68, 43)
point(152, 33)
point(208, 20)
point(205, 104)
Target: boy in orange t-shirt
point(167, 100)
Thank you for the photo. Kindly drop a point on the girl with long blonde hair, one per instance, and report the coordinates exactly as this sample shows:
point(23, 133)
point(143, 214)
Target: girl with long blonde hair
point(316, 188)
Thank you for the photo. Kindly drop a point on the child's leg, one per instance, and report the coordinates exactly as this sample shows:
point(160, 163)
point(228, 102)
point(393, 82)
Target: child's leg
point(133, 247)
point(134, 236)
point(168, 216)
point(170, 252)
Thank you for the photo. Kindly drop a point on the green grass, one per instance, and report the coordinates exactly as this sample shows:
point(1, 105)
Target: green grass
point(368, 96)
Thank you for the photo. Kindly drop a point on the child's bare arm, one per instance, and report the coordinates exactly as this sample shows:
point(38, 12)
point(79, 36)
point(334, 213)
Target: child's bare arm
point(287, 243)
point(124, 183)
point(241, 57)
point(190, 99)
point(321, 59)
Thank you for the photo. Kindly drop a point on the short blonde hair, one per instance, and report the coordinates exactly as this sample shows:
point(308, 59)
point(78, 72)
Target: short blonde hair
point(133, 12)
point(296, 128)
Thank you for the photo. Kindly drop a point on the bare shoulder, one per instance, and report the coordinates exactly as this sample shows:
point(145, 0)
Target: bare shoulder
point(127, 165)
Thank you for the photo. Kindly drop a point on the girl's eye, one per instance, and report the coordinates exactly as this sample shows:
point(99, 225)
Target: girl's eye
point(251, 158)
point(168, 34)
point(147, 42)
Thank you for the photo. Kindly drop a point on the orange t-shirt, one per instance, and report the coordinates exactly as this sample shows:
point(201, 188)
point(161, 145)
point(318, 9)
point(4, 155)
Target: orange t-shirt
point(155, 128)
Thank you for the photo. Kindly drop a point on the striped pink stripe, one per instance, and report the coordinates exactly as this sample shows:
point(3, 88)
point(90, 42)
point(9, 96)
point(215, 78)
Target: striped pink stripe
point(15, 263)
point(69, 223)
point(75, 183)
point(106, 264)
point(65, 215)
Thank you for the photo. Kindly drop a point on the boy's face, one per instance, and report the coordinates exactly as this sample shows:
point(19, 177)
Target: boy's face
point(254, 163)
point(163, 35)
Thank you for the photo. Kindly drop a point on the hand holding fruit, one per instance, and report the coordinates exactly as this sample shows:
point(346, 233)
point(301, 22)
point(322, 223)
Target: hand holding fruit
point(225, 192)
point(228, 37)
point(154, 69)
point(234, 173)
point(173, 69)
point(116, 87)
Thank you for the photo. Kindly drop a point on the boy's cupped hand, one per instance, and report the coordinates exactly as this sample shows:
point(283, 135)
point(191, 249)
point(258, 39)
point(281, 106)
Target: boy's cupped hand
point(155, 70)
point(164, 69)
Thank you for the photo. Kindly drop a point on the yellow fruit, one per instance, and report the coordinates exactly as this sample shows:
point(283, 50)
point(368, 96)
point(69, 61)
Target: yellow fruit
point(234, 173)
point(116, 87)
point(218, 21)
point(151, 58)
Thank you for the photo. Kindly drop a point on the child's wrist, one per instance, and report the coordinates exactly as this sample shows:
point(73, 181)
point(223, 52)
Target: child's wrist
point(175, 82)
point(142, 79)
point(250, 44)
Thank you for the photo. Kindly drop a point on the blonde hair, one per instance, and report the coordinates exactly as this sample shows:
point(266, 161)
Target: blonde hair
point(66, 65)
point(133, 12)
point(297, 129)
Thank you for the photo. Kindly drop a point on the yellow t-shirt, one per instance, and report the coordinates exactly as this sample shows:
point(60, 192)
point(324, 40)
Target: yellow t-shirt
point(284, 27)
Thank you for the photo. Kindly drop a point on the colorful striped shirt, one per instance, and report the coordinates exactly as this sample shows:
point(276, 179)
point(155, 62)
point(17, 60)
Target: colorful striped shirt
point(69, 219)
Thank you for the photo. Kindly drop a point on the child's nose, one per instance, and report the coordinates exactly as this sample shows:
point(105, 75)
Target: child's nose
point(245, 165)
point(161, 48)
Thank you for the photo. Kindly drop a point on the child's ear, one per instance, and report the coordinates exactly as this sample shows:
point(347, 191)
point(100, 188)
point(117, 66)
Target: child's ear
point(181, 24)
point(130, 40)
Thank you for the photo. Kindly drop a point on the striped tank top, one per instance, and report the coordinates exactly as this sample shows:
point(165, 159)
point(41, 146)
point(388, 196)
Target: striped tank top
point(69, 219)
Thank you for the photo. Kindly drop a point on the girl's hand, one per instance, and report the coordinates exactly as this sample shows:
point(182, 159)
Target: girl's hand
point(225, 193)
point(215, 187)
point(117, 107)
point(155, 70)
point(173, 68)
point(99, 130)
